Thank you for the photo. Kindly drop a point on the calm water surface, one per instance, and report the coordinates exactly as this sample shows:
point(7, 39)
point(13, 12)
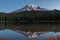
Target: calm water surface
point(7, 33)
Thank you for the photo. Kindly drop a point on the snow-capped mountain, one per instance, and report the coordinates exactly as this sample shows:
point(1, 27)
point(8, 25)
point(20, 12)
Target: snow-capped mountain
point(30, 8)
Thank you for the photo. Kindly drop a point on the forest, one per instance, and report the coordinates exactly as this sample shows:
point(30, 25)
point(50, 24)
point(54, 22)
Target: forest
point(31, 20)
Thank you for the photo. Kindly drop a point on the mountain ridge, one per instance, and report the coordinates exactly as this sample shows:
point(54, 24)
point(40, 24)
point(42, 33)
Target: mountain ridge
point(31, 7)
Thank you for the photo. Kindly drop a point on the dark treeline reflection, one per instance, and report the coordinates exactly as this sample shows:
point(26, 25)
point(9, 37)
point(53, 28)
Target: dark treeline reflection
point(31, 26)
point(29, 23)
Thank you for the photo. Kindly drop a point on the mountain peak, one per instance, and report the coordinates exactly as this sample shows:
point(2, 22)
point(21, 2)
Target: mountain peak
point(31, 7)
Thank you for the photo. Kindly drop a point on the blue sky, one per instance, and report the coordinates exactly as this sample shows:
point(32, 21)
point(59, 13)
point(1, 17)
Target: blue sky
point(11, 5)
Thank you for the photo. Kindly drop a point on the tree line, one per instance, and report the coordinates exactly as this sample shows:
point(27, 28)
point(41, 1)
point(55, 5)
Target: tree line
point(31, 16)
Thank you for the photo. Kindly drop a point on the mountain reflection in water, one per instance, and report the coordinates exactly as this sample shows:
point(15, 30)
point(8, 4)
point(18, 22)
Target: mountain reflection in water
point(7, 33)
